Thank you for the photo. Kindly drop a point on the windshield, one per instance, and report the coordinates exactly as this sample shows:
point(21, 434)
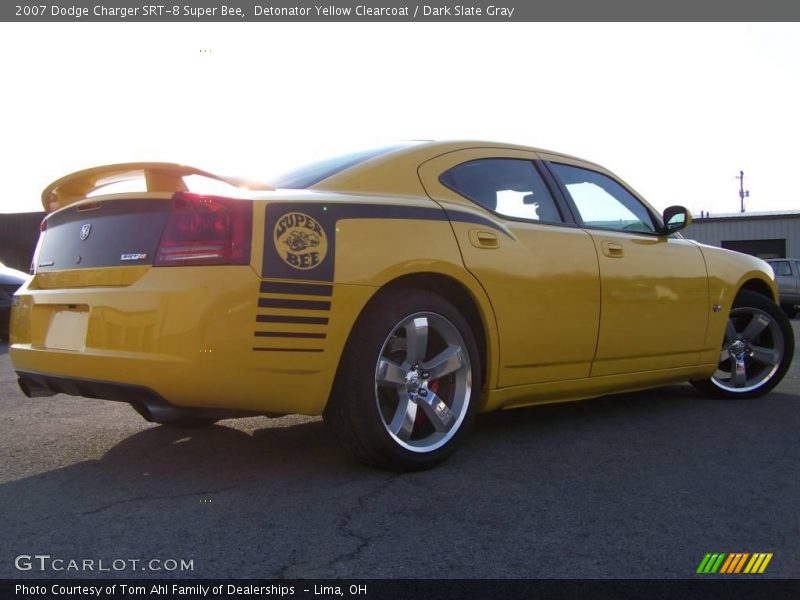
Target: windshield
point(311, 174)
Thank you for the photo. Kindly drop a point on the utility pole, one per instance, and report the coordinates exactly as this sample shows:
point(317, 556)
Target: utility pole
point(743, 193)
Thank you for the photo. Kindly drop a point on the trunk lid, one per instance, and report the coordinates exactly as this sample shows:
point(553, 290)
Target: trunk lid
point(112, 233)
point(114, 238)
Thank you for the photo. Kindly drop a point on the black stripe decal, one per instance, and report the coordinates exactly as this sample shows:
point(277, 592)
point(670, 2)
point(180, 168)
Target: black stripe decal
point(303, 289)
point(299, 304)
point(465, 217)
point(318, 222)
point(292, 319)
point(291, 334)
point(389, 211)
point(287, 349)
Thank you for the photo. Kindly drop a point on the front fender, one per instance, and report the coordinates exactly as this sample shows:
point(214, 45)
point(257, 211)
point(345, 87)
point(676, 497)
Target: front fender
point(728, 273)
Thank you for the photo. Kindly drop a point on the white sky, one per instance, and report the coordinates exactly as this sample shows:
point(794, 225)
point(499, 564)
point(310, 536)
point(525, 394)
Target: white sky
point(675, 110)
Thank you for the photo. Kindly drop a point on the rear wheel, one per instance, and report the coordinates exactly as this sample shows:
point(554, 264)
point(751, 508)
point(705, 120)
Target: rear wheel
point(756, 350)
point(790, 310)
point(409, 382)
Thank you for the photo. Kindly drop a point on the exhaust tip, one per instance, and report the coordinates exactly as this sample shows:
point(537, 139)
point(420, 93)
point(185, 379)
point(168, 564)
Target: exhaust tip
point(34, 390)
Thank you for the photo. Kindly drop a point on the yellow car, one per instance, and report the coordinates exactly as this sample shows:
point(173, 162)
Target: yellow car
point(397, 292)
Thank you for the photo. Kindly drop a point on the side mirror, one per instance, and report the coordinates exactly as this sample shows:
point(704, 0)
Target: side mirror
point(675, 219)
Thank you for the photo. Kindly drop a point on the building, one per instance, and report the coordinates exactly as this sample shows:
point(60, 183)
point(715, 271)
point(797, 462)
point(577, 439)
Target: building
point(18, 235)
point(762, 234)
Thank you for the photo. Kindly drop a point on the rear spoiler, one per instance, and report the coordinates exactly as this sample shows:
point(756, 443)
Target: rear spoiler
point(159, 177)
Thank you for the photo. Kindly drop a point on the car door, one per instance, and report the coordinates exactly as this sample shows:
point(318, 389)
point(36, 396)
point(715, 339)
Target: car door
point(537, 266)
point(654, 297)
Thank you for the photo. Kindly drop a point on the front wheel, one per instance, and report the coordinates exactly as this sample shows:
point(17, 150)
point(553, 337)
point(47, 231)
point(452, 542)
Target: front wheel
point(756, 350)
point(409, 383)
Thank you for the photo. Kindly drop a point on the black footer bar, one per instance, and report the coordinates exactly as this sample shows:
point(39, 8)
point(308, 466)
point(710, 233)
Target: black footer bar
point(402, 589)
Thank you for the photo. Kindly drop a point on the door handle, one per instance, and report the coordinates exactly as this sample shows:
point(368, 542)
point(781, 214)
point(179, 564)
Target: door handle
point(483, 239)
point(613, 250)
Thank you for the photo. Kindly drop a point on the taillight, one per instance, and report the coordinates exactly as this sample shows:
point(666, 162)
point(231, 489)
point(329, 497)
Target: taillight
point(206, 230)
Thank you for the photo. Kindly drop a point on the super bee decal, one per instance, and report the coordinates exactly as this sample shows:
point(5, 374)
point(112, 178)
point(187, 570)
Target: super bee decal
point(303, 234)
point(300, 241)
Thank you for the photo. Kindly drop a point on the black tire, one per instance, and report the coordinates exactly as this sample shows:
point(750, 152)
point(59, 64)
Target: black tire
point(790, 310)
point(774, 338)
point(360, 407)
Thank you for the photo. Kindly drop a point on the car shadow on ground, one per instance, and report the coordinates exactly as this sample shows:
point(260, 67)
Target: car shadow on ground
point(282, 495)
point(163, 461)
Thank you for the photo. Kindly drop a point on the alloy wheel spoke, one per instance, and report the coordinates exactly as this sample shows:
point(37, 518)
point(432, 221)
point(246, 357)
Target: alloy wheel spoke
point(738, 372)
point(416, 340)
point(766, 356)
point(730, 331)
point(724, 355)
point(390, 373)
point(402, 424)
point(758, 323)
point(440, 416)
point(396, 344)
point(447, 361)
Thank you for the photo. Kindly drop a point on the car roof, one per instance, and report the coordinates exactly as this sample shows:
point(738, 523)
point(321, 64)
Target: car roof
point(395, 171)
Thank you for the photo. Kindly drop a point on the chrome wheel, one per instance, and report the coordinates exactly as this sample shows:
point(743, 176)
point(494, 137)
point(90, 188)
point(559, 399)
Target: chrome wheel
point(752, 351)
point(423, 382)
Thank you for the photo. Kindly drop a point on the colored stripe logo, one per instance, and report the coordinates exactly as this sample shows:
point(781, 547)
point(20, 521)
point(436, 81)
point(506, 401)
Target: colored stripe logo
point(733, 563)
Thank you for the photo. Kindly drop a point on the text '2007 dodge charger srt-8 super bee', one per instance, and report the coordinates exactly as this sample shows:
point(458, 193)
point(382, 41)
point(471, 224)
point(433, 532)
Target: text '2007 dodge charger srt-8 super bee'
point(396, 292)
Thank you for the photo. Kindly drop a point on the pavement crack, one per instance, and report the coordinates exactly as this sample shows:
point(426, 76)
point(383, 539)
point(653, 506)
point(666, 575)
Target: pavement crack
point(345, 524)
point(153, 498)
point(283, 571)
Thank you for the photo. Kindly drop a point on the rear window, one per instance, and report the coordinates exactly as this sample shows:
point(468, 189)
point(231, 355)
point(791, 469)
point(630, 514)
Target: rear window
point(311, 174)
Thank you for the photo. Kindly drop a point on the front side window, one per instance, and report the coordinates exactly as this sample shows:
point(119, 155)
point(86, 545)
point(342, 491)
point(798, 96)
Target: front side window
point(603, 202)
point(508, 186)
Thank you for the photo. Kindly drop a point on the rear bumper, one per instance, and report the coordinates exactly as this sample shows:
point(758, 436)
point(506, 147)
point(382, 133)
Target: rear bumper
point(190, 336)
point(147, 403)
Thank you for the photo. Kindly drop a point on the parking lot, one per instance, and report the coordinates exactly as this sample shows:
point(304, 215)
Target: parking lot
point(636, 485)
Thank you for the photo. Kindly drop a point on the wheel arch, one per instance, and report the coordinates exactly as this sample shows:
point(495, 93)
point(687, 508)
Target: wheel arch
point(468, 297)
point(758, 286)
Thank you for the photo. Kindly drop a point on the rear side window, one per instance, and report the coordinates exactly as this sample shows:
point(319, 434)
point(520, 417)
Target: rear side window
point(311, 174)
point(507, 186)
point(782, 268)
point(602, 201)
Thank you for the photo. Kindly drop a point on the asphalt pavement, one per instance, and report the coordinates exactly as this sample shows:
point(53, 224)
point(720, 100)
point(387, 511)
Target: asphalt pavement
point(634, 485)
